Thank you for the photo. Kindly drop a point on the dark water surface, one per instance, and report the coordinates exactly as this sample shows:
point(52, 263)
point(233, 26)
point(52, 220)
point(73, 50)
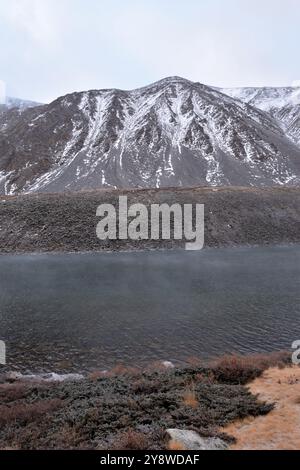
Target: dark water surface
point(77, 312)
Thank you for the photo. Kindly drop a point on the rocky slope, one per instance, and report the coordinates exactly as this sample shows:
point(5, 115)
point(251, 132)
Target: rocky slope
point(172, 133)
point(67, 222)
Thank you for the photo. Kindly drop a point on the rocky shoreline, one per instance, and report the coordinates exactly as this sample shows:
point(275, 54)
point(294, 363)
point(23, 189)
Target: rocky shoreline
point(66, 222)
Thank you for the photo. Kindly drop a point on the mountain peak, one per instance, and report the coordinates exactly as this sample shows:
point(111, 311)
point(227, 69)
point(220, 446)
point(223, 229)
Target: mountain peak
point(174, 132)
point(168, 81)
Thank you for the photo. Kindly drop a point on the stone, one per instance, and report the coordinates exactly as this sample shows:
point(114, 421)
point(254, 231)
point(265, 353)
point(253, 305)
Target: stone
point(191, 440)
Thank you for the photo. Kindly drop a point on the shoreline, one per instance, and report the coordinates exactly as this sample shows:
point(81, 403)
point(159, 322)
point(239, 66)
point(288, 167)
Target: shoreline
point(149, 250)
point(162, 365)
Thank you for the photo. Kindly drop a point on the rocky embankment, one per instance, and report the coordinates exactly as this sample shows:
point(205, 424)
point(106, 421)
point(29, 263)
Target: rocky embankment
point(67, 222)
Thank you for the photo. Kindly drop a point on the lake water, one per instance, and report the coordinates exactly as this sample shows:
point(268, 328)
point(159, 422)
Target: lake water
point(79, 312)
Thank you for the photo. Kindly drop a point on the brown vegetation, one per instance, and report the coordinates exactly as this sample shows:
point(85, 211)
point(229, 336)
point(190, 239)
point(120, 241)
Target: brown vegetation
point(243, 369)
point(190, 398)
point(131, 440)
point(127, 409)
point(280, 429)
point(26, 413)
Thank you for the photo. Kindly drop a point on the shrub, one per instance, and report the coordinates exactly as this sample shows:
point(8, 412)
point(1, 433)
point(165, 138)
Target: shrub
point(146, 386)
point(130, 440)
point(236, 369)
point(25, 413)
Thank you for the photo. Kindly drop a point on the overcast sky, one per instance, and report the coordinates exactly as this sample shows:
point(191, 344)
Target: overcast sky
point(52, 47)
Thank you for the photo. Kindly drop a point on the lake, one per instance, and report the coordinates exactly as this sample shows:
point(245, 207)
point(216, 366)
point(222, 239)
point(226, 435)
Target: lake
point(80, 312)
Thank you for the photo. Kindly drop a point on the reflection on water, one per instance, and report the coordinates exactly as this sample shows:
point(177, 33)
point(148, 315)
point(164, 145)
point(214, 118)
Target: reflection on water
point(81, 312)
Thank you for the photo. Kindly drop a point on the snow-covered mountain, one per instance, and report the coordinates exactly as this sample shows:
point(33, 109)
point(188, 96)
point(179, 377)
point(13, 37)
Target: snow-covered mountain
point(172, 133)
point(281, 103)
point(18, 103)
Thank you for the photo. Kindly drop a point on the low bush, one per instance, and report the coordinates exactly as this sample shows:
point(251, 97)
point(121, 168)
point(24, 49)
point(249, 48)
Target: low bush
point(237, 369)
point(26, 413)
point(131, 440)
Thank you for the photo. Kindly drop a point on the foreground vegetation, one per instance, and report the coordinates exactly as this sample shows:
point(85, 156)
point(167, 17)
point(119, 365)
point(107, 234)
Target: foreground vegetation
point(131, 409)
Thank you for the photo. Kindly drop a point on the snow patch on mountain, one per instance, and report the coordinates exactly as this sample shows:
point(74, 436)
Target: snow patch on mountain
point(11, 103)
point(266, 98)
point(281, 103)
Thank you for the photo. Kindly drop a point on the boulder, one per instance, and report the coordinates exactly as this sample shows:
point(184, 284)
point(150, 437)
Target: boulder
point(191, 440)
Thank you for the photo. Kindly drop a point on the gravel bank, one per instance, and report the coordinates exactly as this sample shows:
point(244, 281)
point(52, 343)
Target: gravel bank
point(67, 222)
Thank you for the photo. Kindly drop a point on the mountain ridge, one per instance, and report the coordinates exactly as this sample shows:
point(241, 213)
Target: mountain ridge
point(173, 132)
point(282, 102)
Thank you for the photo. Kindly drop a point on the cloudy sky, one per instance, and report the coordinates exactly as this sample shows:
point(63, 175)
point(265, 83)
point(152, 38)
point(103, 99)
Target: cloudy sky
point(52, 47)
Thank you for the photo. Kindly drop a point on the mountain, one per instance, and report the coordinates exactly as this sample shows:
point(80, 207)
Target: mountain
point(172, 133)
point(282, 103)
point(20, 104)
point(13, 107)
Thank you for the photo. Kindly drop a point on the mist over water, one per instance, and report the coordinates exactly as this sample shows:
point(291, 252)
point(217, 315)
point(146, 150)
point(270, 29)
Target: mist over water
point(79, 312)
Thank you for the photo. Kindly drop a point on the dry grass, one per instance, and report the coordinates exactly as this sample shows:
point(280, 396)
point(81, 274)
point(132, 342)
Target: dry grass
point(190, 398)
point(280, 429)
